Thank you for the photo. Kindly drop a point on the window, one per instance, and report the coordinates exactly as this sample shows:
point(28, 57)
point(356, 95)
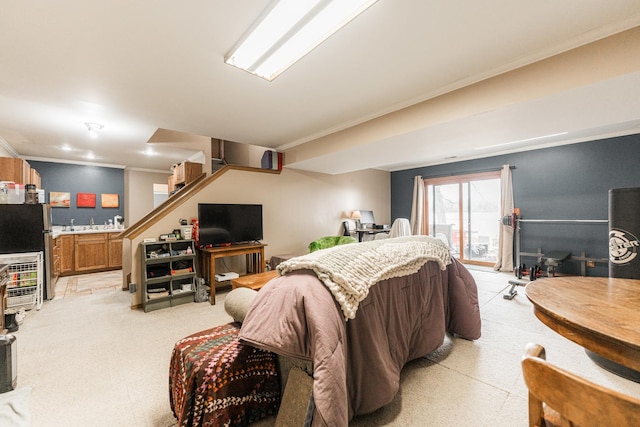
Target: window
point(160, 193)
point(464, 211)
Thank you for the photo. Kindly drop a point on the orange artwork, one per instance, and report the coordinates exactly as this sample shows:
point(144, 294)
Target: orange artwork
point(59, 199)
point(110, 201)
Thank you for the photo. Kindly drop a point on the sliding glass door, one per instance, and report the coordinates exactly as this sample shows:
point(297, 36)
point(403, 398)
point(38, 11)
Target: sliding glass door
point(464, 212)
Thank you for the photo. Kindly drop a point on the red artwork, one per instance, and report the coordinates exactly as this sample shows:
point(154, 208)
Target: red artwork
point(86, 200)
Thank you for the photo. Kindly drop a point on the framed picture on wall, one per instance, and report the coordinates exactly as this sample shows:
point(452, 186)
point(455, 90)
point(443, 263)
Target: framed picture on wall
point(86, 200)
point(58, 199)
point(110, 201)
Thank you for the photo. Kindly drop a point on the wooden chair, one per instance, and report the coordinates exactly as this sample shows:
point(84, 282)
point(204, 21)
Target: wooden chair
point(560, 398)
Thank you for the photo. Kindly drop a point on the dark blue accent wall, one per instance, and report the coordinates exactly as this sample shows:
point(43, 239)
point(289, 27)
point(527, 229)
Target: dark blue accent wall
point(567, 182)
point(76, 179)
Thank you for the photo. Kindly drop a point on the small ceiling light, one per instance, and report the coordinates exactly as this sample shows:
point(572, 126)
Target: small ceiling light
point(90, 156)
point(66, 147)
point(289, 29)
point(93, 129)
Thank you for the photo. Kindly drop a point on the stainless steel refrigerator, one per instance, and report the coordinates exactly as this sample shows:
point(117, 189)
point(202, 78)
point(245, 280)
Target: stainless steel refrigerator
point(27, 228)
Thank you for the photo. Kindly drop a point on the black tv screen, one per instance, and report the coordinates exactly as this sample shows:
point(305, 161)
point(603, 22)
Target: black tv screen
point(223, 224)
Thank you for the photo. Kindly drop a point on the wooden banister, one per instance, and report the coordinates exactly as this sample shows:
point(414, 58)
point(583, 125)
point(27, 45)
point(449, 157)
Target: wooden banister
point(181, 197)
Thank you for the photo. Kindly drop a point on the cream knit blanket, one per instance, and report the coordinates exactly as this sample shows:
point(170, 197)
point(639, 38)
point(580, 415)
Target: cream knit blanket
point(350, 270)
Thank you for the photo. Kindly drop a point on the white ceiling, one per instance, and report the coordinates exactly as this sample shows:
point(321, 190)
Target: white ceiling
point(136, 66)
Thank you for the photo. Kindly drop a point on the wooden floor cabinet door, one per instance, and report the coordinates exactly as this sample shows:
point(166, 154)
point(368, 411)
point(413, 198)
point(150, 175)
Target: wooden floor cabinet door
point(66, 245)
point(115, 251)
point(91, 252)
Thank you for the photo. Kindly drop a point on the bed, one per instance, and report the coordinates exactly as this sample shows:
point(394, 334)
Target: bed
point(358, 313)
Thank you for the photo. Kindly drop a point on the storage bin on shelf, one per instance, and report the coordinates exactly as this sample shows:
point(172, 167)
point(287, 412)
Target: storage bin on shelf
point(24, 287)
point(15, 194)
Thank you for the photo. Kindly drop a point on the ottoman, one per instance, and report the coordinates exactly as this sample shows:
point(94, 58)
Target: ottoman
point(214, 379)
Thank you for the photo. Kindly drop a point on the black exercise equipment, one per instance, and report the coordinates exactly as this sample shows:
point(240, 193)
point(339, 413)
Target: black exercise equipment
point(550, 260)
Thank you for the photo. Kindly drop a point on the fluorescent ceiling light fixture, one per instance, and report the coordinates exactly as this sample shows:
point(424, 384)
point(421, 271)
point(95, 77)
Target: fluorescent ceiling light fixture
point(289, 29)
point(522, 140)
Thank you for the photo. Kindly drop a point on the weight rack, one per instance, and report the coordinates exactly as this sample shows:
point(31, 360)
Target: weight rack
point(515, 221)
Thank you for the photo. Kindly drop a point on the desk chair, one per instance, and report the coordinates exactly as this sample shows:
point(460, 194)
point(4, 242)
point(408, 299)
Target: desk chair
point(400, 228)
point(560, 398)
point(346, 228)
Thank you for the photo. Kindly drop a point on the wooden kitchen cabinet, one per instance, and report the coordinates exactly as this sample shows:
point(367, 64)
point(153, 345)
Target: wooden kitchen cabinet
point(34, 178)
point(115, 251)
point(171, 183)
point(66, 244)
point(183, 174)
point(88, 253)
point(15, 169)
point(55, 252)
point(178, 173)
point(91, 252)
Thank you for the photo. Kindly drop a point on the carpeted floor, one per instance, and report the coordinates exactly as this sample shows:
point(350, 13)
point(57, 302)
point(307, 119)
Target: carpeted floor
point(92, 361)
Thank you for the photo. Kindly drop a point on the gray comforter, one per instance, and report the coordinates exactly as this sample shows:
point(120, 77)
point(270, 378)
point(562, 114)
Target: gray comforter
point(357, 363)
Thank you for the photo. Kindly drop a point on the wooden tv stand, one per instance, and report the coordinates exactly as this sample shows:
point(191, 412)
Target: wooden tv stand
point(254, 254)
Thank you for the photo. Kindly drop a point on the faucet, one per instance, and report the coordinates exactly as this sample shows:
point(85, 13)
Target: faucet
point(72, 220)
point(91, 224)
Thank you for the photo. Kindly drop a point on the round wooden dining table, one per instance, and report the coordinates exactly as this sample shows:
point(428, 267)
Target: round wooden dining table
point(599, 313)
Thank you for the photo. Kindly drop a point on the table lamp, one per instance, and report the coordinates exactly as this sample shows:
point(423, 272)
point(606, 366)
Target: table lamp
point(355, 215)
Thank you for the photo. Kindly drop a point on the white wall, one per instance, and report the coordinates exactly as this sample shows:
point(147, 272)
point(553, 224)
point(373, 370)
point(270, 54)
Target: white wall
point(298, 207)
point(138, 193)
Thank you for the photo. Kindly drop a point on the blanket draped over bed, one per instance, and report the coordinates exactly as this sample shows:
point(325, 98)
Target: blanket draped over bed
point(357, 363)
point(350, 270)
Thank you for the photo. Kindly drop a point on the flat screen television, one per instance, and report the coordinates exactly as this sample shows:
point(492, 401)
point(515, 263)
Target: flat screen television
point(223, 224)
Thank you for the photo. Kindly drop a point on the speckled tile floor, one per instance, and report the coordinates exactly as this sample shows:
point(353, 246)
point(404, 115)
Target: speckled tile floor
point(88, 284)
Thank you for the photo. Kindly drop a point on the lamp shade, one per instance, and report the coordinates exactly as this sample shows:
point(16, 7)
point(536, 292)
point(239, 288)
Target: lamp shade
point(356, 215)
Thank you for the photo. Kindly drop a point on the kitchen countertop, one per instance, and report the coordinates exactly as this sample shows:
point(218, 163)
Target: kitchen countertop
point(83, 229)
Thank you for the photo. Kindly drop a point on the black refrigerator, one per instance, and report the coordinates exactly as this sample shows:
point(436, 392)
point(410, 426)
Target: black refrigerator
point(27, 228)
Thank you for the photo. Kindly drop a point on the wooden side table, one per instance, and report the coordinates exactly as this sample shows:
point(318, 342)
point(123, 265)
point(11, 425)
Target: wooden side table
point(254, 281)
point(254, 254)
